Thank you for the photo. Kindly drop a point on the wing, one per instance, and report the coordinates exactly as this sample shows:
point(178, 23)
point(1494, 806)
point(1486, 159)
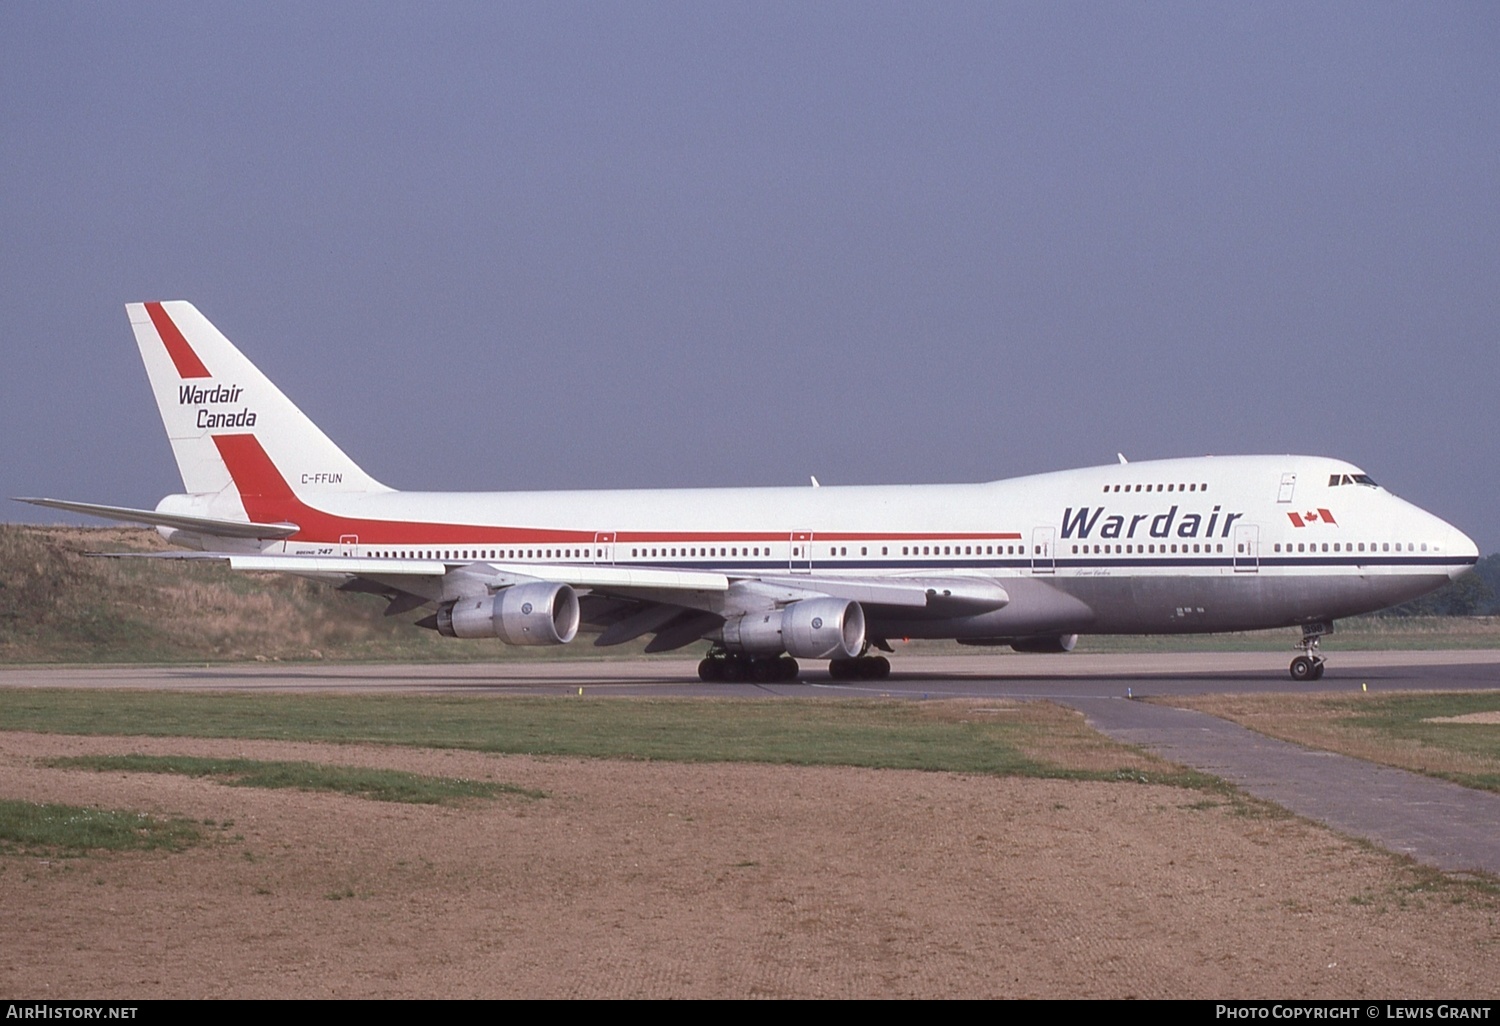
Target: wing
point(620, 604)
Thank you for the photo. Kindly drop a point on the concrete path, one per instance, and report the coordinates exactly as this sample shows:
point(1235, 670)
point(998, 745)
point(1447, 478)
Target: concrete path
point(1441, 824)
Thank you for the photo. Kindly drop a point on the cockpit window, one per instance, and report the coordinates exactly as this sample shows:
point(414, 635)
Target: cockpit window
point(1334, 480)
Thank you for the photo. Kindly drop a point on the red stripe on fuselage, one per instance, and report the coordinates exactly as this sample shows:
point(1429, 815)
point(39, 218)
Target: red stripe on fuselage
point(187, 362)
point(803, 536)
point(268, 499)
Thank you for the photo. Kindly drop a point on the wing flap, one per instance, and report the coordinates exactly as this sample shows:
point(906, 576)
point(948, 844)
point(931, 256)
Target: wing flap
point(949, 594)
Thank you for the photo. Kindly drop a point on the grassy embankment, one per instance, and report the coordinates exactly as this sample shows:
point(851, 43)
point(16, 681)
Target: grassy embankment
point(58, 605)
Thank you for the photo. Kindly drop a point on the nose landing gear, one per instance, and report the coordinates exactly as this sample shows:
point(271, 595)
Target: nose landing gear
point(1309, 665)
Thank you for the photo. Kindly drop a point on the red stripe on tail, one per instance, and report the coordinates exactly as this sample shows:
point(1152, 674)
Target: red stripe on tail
point(187, 362)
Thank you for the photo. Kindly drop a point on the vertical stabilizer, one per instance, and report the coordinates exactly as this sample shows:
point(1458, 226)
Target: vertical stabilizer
point(206, 389)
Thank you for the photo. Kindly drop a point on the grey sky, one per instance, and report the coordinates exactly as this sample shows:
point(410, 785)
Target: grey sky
point(598, 245)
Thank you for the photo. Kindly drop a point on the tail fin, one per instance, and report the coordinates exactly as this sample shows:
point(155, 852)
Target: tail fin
point(214, 402)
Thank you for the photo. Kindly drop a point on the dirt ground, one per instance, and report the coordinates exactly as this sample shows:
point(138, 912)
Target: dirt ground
point(634, 879)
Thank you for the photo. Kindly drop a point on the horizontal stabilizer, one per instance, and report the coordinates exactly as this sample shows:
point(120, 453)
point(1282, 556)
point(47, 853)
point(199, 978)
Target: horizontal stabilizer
point(179, 521)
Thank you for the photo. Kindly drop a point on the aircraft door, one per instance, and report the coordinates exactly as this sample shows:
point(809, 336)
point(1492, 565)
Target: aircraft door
point(1246, 548)
point(604, 548)
point(1043, 550)
point(1288, 486)
point(799, 556)
point(348, 544)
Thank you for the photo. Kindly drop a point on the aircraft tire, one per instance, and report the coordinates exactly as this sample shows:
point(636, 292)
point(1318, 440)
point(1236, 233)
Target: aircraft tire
point(711, 670)
point(1303, 669)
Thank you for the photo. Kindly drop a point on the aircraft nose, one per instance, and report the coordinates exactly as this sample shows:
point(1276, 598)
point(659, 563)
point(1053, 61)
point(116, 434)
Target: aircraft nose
point(1462, 550)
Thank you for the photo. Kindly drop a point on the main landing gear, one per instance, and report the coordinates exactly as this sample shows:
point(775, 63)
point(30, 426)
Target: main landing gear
point(1309, 665)
point(732, 668)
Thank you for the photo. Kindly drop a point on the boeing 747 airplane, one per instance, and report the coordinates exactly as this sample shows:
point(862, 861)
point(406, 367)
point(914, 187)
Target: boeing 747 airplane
point(769, 576)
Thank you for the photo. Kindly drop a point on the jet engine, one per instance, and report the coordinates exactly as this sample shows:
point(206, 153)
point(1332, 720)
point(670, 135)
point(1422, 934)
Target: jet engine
point(543, 613)
point(819, 628)
point(1056, 643)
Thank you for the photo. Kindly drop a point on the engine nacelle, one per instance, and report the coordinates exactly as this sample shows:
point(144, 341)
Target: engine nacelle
point(1056, 643)
point(821, 628)
point(525, 614)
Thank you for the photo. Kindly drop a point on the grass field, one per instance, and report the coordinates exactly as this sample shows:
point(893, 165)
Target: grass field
point(998, 738)
point(1419, 732)
point(361, 781)
point(31, 828)
point(994, 737)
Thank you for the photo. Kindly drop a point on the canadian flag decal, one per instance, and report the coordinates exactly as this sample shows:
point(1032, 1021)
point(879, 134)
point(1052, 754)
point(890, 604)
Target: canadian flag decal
point(1312, 517)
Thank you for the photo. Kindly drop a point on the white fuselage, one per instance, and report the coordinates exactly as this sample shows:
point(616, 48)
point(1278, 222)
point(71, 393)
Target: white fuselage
point(1168, 546)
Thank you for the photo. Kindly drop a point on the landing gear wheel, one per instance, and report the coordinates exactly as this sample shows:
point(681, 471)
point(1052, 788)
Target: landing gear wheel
point(789, 668)
point(711, 670)
point(1309, 665)
point(735, 670)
